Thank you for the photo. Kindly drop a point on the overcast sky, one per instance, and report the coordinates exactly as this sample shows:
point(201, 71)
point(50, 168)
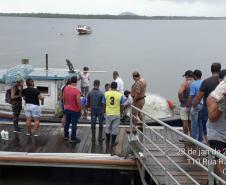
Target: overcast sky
point(141, 7)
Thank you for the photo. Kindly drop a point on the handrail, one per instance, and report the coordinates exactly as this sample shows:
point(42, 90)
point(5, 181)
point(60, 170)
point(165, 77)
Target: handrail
point(210, 151)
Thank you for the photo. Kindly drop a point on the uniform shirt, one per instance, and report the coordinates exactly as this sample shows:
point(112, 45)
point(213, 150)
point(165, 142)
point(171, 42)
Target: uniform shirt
point(70, 98)
point(31, 95)
point(139, 88)
point(85, 80)
point(113, 101)
point(120, 84)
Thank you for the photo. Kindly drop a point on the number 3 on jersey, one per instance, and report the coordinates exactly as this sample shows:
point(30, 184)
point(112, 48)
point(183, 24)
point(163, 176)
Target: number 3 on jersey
point(112, 100)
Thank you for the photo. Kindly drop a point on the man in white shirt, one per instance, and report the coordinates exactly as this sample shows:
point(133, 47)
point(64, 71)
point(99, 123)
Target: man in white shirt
point(119, 81)
point(126, 108)
point(85, 81)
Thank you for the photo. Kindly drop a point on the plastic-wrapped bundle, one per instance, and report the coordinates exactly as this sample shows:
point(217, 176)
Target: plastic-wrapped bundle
point(157, 106)
point(17, 72)
point(220, 90)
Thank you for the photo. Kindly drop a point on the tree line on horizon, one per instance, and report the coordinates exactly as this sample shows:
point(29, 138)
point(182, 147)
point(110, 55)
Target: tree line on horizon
point(108, 16)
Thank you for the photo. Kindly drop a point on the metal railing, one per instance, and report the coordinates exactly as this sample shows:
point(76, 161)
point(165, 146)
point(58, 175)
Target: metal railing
point(145, 141)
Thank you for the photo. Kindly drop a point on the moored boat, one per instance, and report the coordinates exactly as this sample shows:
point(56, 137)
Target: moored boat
point(48, 81)
point(83, 29)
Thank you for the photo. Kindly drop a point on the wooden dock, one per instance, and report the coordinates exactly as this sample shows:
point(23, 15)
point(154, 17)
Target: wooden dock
point(50, 149)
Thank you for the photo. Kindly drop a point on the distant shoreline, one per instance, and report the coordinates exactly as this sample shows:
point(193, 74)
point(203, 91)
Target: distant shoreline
point(137, 17)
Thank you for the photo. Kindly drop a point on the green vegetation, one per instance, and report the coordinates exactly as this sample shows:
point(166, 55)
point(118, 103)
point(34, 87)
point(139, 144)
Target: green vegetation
point(121, 16)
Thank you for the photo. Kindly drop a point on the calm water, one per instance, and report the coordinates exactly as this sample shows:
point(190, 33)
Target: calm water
point(160, 50)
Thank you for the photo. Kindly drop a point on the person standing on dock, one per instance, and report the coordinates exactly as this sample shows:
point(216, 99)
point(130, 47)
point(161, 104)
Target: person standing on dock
point(138, 92)
point(207, 86)
point(62, 102)
point(85, 82)
point(183, 95)
point(196, 124)
point(72, 106)
point(16, 102)
point(94, 102)
point(113, 100)
point(216, 124)
point(119, 81)
point(32, 106)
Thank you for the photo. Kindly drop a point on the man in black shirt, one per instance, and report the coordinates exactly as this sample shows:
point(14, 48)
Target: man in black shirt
point(32, 109)
point(207, 86)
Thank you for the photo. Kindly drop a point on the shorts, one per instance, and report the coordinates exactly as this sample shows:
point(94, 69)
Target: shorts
point(32, 110)
point(85, 90)
point(184, 113)
point(219, 146)
point(112, 124)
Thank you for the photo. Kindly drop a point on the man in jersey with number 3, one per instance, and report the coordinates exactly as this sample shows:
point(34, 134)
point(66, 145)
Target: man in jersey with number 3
point(113, 100)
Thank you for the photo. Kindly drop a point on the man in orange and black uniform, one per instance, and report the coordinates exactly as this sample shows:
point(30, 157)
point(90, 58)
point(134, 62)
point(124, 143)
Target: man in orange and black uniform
point(138, 93)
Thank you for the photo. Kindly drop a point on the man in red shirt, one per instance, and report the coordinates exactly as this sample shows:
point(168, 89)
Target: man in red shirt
point(72, 106)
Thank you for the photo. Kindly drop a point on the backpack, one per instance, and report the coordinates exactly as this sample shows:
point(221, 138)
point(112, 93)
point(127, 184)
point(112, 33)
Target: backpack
point(8, 98)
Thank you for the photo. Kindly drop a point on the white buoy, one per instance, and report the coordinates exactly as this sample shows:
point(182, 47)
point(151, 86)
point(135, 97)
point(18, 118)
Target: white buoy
point(6, 135)
point(3, 134)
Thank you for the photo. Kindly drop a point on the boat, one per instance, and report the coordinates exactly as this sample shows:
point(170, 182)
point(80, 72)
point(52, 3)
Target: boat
point(48, 81)
point(83, 29)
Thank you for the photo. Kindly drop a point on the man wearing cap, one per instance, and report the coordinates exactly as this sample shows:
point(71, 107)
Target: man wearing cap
point(207, 86)
point(16, 96)
point(196, 124)
point(138, 91)
point(183, 94)
point(119, 81)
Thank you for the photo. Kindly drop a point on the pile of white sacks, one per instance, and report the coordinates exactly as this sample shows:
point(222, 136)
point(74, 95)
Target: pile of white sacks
point(157, 106)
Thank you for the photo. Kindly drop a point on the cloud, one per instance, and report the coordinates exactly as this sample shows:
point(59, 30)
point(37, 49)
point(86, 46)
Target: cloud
point(195, 1)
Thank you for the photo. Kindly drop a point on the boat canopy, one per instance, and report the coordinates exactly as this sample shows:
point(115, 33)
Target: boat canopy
point(27, 71)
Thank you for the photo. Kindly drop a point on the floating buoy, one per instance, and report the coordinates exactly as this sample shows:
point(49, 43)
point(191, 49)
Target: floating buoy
point(170, 104)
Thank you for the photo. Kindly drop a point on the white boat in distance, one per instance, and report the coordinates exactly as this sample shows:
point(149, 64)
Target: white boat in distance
point(83, 29)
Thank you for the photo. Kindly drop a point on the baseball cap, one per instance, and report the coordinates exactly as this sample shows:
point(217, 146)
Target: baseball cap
point(188, 73)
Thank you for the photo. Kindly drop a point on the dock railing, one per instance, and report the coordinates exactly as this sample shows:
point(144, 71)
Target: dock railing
point(144, 157)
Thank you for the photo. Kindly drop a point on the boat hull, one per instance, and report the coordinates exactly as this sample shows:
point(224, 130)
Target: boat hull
point(48, 118)
point(83, 32)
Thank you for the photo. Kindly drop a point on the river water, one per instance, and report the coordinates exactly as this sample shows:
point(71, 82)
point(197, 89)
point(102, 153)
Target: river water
point(160, 49)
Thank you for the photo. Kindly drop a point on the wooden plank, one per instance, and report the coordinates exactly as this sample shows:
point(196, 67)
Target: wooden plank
point(119, 146)
point(51, 140)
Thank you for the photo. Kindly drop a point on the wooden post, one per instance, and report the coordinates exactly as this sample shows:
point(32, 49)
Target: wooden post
point(47, 62)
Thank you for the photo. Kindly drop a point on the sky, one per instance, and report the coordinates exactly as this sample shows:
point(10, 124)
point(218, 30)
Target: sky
point(214, 8)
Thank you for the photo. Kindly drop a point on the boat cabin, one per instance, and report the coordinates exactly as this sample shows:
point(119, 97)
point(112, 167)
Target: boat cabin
point(48, 81)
